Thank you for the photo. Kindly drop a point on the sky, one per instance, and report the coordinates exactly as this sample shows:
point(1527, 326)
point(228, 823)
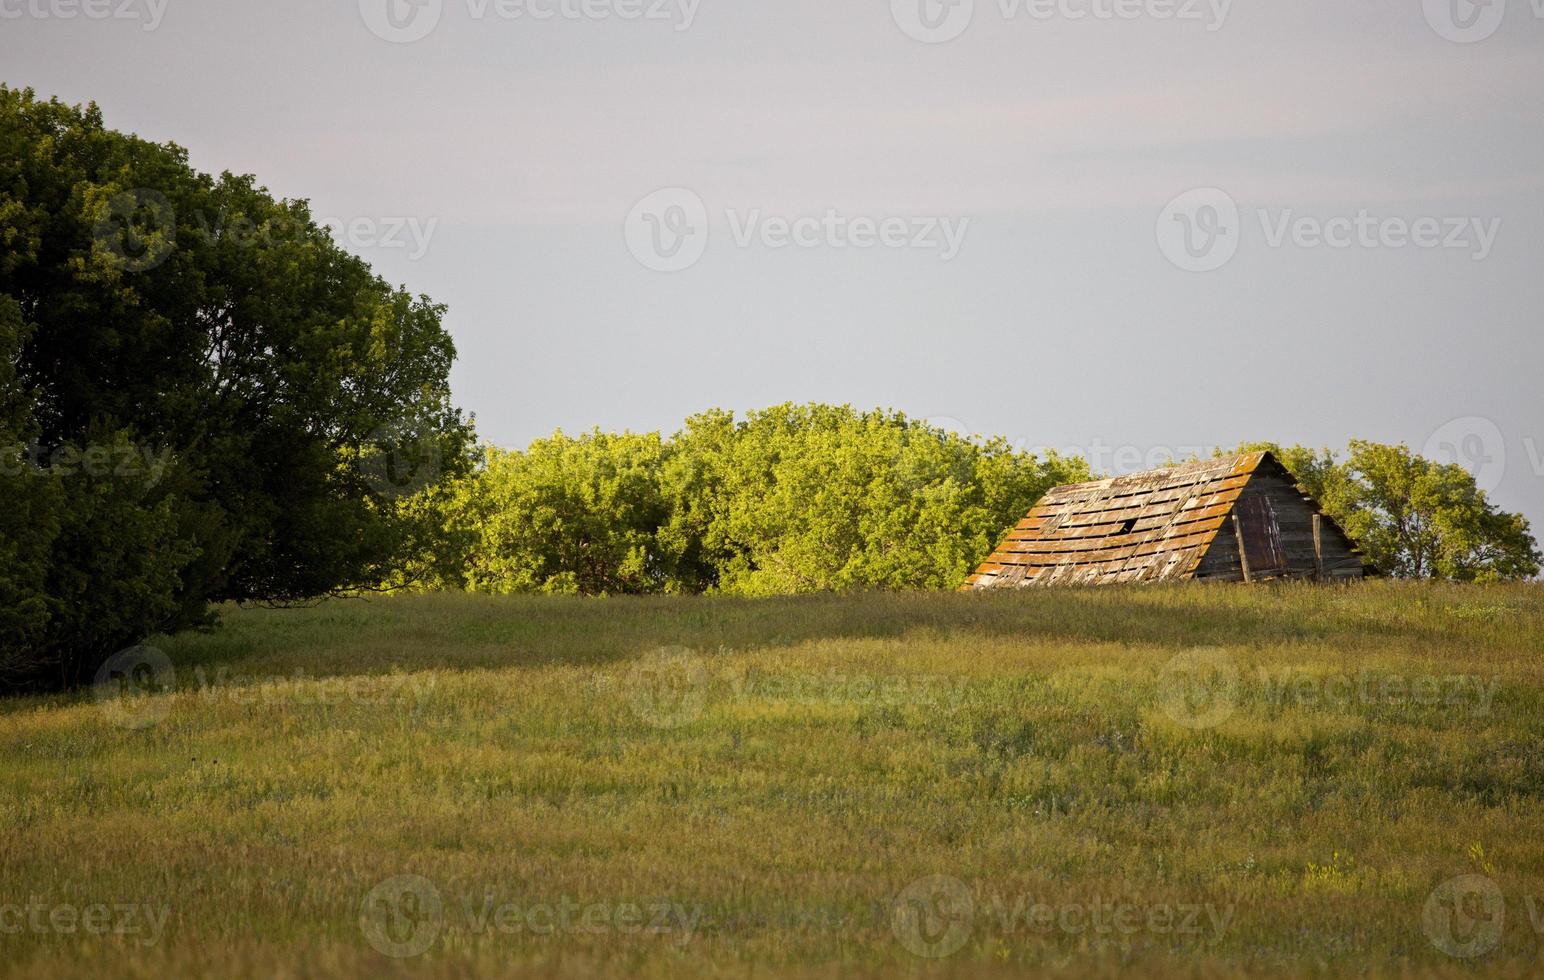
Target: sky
point(1126, 228)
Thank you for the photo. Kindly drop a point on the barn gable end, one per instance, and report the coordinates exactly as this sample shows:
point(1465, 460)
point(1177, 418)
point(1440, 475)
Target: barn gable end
point(1181, 522)
point(1284, 504)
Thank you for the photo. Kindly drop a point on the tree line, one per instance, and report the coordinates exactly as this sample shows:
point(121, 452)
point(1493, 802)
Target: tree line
point(807, 498)
point(203, 399)
point(792, 498)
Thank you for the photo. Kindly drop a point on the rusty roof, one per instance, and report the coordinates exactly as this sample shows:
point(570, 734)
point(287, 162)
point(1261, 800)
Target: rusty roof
point(1138, 528)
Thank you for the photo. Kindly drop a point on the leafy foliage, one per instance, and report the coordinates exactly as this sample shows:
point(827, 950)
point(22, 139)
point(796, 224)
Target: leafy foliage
point(195, 320)
point(790, 499)
point(575, 515)
point(803, 498)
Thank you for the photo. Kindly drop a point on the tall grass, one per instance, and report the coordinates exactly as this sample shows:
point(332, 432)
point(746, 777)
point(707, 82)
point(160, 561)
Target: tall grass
point(1280, 780)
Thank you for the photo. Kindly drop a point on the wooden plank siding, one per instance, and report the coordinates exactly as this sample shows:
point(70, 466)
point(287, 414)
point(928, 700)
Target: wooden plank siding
point(1294, 515)
point(1159, 525)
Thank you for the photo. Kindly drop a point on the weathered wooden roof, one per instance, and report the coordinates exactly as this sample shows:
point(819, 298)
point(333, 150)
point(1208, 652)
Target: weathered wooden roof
point(1137, 528)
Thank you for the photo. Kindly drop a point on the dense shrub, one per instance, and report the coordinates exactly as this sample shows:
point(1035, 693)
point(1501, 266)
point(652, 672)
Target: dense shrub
point(794, 498)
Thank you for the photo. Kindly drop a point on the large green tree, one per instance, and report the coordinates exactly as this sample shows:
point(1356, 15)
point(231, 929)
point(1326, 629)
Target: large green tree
point(1414, 517)
point(286, 404)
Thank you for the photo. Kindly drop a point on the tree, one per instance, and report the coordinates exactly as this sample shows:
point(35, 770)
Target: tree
point(793, 498)
point(295, 403)
point(1413, 517)
point(801, 498)
point(570, 515)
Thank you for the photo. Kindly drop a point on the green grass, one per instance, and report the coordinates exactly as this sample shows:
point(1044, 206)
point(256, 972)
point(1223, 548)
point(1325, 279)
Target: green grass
point(1293, 769)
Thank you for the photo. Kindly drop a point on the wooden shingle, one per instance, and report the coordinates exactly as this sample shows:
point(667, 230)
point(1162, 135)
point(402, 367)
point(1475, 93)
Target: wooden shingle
point(1167, 524)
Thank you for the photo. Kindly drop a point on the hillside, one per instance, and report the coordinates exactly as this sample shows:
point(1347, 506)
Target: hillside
point(1187, 780)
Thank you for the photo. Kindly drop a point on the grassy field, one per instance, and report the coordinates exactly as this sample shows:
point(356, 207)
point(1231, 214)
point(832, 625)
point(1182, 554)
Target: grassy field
point(1181, 781)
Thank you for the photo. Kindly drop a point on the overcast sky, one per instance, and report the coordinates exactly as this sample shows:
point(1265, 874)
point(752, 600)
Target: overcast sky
point(1125, 226)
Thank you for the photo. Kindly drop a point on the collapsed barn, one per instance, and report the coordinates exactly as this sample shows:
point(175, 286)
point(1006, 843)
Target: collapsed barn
point(1238, 518)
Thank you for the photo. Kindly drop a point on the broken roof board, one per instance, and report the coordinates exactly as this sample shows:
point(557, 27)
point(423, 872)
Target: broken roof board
point(1147, 526)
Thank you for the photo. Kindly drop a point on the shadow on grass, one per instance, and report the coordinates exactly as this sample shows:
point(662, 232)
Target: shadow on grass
point(458, 632)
